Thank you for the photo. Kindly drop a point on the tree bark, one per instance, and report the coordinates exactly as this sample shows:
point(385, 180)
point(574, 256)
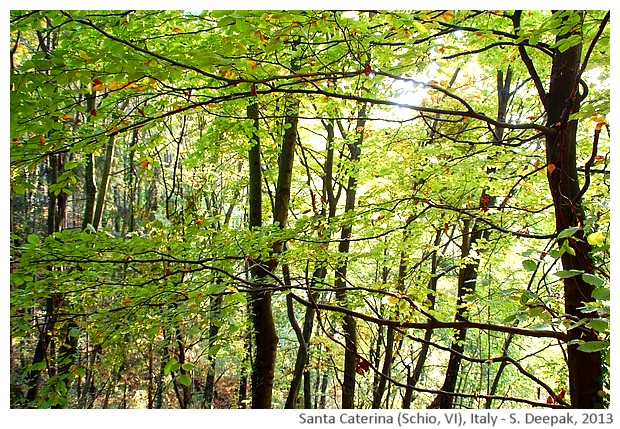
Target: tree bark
point(103, 186)
point(585, 369)
point(349, 324)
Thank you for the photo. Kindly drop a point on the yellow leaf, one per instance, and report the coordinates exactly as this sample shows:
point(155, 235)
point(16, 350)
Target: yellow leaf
point(98, 87)
point(420, 27)
point(84, 55)
point(596, 239)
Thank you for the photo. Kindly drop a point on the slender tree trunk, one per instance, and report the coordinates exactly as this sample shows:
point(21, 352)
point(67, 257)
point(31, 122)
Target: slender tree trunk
point(413, 379)
point(103, 186)
point(90, 190)
point(585, 369)
point(349, 324)
point(214, 329)
point(318, 276)
point(500, 370)
point(466, 286)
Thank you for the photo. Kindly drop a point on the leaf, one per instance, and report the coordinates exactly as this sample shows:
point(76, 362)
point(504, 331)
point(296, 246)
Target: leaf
point(565, 274)
point(145, 164)
point(593, 280)
point(601, 293)
point(596, 238)
point(599, 324)
point(550, 168)
point(593, 346)
point(361, 365)
point(568, 232)
point(420, 27)
point(529, 265)
point(188, 366)
point(34, 239)
point(214, 349)
point(185, 379)
point(171, 365)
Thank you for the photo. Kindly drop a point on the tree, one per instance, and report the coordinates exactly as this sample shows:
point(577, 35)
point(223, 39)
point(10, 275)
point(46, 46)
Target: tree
point(427, 190)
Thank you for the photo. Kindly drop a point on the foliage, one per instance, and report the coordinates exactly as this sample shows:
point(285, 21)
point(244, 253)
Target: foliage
point(151, 307)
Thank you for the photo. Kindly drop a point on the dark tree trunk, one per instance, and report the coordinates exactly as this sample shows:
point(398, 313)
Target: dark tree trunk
point(90, 190)
point(103, 186)
point(262, 314)
point(585, 369)
point(413, 379)
point(466, 286)
point(349, 324)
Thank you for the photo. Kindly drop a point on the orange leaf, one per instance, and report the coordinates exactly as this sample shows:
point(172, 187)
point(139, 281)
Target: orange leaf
point(145, 164)
point(98, 87)
point(93, 112)
point(447, 16)
point(560, 395)
point(198, 222)
point(41, 140)
point(67, 117)
point(549, 400)
point(97, 81)
point(176, 30)
point(550, 168)
point(367, 69)
point(361, 365)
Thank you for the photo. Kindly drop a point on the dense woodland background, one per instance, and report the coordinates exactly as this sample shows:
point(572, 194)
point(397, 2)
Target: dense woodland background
point(309, 209)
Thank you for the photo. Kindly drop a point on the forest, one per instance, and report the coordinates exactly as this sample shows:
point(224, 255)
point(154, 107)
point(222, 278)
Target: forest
point(374, 209)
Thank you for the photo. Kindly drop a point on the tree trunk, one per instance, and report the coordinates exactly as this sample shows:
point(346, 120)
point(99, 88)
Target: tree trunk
point(90, 190)
point(262, 313)
point(413, 379)
point(349, 324)
point(585, 369)
point(103, 186)
point(466, 286)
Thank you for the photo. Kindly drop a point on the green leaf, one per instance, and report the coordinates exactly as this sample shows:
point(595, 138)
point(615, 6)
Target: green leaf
point(214, 349)
point(529, 265)
point(593, 280)
point(188, 366)
point(185, 379)
point(593, 346)
point(564, 274)
point(568, 232)
point(599, 324)
point(601, 293)
point(596, 239)
point(171, 366)
point(34, 239)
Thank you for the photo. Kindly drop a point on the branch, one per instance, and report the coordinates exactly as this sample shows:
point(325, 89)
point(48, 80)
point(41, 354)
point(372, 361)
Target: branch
point(539, 333)
point(529, 64)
